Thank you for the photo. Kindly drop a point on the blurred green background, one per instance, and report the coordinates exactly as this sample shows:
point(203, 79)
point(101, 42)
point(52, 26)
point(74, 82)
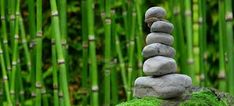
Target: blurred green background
point(102, 42)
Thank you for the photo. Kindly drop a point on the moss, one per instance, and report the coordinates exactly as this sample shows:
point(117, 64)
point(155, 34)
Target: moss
point(201, 97)
point(146, 101)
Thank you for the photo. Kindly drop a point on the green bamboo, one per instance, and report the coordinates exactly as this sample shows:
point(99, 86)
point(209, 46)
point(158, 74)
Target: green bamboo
point(107, 54)
point(113, 66)
point(4, 36)
point(84, 72)
point(25, 44)
point(60, 53)
point(179, 36)
point(5, 77)
point(188, 28)
point(55, 75)
point(38, 62)
point(92, 53)
point(15, 26)
point(195, 38)
point(222, 84)
point(202, 42)
point(32, 31)
point(229, 34)
point(139, 36)
point(131, 52)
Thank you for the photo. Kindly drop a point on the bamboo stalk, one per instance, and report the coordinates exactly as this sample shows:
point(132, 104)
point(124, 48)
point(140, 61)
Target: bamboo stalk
point(131, 52)
point(85, 54)
point(139, 36)
point(196, 40)
point(107, 54)
point(202, 41)
point(38, 52)
point(5, 77)
point(4, 36)
point(15, 26)
point(92, 53)
point(229, 34)
point(55, 75)
point(222, 84)
point(60, 53)
point(188, 28)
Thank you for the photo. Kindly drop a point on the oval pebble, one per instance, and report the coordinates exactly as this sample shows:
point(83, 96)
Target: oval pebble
point(163, 38)
point(162, 26)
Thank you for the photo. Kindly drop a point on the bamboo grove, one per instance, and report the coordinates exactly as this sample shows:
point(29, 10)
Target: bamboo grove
point(88, 52)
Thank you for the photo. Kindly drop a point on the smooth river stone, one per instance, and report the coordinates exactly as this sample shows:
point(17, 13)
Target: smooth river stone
point(162, 26)
point(159, 65)
point(154, 14)
point(163, 38)
point(164, 87)
point(157, 12)
point(158, 49)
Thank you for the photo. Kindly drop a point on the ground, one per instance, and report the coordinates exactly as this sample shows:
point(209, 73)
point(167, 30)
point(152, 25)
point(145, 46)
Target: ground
point(195, 97)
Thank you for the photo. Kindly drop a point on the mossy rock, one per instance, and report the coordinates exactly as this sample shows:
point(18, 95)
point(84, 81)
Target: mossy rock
point(195, 97)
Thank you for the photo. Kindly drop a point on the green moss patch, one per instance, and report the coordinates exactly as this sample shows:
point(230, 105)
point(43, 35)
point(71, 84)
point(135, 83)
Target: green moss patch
point(146, 101)
point(201, 97)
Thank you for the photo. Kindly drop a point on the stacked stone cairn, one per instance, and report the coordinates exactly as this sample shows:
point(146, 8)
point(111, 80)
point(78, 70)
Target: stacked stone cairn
point(161, 80)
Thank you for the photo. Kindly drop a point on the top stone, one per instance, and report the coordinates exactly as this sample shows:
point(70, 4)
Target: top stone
point(157, 12)
point(154, 14)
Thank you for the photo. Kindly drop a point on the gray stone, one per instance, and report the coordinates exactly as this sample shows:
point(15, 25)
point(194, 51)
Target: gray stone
point(158, 49)
point(164, 87)
point(163, 38)
point(154, 14)
point(157, 12)
point(159, 65)
point(162, 26)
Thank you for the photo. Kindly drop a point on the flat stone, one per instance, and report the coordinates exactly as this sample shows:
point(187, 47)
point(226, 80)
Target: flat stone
point(162, 26)
point(163, 38)
point(154, 14)
point(157, 12)
point(159, 65)
point(164, 87)
point(158, 49)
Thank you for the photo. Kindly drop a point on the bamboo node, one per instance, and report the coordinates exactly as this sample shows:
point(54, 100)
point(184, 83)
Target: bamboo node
point(38, 85)
point(61, 61)
point(32, 44)
point(176, 11)
point(124, 13)
point(91, 37)
point(3, 18)
point(33, 94)
point(9, 68)
point(64, 42)
point(12, 92)
point(229, 16)
point(39, 34)
point(188, 13)
point(139, 64)
point(60, 95)
point(14, 63)
point(202, 77)
point(221, 74)
point(17, 14)
point(5, 78)
point(132, 42)
point(5, 41)
point(112, 11)
point(95, 88)
point(55, 86)
point(108, 21)
point(54, 13)
point(12, 17)
point(103, 14)
point(24, 41)
point(134, 14)
point(16, 36)
point(21, 92)
point(43, 91)
point(85, 45)
point(52, 42)
point(200, 20)
point(190, 61)
point(1, 52)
